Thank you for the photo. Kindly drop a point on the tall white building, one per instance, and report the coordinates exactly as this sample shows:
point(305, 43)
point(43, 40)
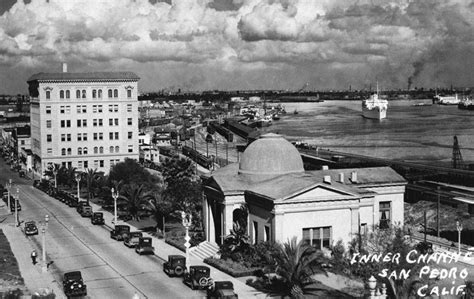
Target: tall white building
point(83, 120)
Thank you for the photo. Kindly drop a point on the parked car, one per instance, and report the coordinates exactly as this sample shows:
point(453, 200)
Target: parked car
point(97, 218)
point(31, 228)
point(131, 239)
point(73, 285)
point(425, 247)
point(22, 173)
point(86, 211)
point(221, 290)
point(175, 265)
point(144, 246)
point(80, 204)
point(198, 277)
point(12, 204)
point(119, 231)
point(71, 200)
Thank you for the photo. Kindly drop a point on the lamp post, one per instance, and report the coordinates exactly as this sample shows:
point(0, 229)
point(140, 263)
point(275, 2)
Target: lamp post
point(44, 226)
point(55, 172)
point(17, 223)
point(459, 228)
point(78, 180)
point(9, 186)
point(115, 196)
point(187, 217)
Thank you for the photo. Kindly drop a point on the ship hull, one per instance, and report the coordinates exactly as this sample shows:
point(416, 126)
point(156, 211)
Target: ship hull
point(374, 113)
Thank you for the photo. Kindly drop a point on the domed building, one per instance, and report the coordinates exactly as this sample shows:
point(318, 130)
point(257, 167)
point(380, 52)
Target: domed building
point(284, 201)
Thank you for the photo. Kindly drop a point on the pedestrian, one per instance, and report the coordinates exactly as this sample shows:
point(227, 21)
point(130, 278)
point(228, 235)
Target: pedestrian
point(33, 257)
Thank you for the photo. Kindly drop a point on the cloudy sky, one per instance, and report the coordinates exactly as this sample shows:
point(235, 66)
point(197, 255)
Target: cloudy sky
point(242, 44)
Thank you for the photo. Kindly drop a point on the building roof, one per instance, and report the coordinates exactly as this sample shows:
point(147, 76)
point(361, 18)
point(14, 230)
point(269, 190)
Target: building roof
point(271, 154)
point(95, 76)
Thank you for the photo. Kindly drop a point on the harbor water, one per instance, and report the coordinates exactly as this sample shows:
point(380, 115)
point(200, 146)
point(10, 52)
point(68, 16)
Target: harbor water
point(412, 133)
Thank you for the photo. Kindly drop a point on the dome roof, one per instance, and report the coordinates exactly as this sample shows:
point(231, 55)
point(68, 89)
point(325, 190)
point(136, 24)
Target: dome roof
point(271, 154)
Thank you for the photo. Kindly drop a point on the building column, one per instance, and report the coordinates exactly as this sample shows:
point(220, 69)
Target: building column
point(228, 211)
point(278, 224)
point(354, 222)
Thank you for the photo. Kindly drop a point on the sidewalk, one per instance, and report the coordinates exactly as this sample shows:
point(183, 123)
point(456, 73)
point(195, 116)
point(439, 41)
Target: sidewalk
point(162, 250)
point(34, 279)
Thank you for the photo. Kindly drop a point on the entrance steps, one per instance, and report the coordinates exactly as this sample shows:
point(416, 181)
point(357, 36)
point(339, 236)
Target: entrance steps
point(204, 250)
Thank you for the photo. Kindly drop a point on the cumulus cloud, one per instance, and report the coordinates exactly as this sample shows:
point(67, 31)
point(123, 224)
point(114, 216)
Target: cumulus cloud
point(216, 43)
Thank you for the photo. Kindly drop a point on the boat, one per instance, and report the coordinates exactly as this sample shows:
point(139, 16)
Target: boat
point(446, 100)
point(466, 104)
point(374, 107)
point(275, 116)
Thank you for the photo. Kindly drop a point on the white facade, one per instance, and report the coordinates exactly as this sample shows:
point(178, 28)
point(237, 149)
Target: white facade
point(83, 120)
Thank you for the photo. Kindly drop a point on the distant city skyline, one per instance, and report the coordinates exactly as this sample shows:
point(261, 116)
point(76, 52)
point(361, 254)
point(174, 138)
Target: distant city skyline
point(242, 44)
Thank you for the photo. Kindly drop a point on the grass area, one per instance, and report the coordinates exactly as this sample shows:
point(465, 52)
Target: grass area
point(10, 276)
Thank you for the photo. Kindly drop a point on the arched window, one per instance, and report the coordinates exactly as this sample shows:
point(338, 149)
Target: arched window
point(115, 93)
point(111, 149)
point(100, 93)
point(110, 93)
point(79, 150)
point(129, 93)
point(68, 94)
point(48, 94)
point(83, 93)
point(61, 94)
point(96, 149)
point(78, 94)
point(117, 149)
point(63, 152)
point(84, 151)
point(69, 151)
point(94, 93)
point(101, 150)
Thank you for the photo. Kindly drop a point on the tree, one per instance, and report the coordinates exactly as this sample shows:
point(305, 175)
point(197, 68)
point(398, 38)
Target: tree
point(160, 209)
point(130, 171)
point(135, 197)
point(91, 177)
point(52, 171)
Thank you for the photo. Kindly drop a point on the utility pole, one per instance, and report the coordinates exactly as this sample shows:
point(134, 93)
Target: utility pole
point(437, 218)
point(227, 153)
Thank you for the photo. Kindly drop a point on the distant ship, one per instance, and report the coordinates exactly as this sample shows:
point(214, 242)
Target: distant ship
point(374, 107)
point(446, 100)
point(466, 104)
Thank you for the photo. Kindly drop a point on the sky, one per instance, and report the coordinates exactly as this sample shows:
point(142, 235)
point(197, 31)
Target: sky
point(196, 45)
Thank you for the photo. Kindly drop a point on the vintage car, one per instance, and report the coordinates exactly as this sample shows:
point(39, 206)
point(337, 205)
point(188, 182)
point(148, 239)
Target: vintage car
point(71, 200)
point(198, 277)
point(73, 285)
point(22, 173)
point(80, 204)
point(12, 205)
point(119, 231)
point(175, 265)
point(86, 211)
point(425, 247)
point(221, 289)
point(144, 246)
point(31, 228)
point(97, 218)
point(131, 239)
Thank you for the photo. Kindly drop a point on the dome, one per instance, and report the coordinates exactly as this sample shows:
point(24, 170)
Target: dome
point(271, 154)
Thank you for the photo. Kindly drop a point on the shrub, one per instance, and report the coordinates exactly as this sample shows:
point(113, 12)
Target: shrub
point(230, 267)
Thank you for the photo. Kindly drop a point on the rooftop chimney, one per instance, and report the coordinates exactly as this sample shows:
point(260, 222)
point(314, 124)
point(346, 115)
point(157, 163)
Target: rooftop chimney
point(354, 177)
point(327, 179)
point(341, 178)
point(325, 167)
point(64, 67)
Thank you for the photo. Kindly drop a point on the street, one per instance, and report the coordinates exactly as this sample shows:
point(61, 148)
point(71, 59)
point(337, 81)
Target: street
point(109, 269)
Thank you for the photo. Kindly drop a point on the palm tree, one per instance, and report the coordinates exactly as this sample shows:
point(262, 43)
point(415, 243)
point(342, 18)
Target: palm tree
point(296, 264)
point(52, 171)
point(91, 176)
point(136, 199)
point(159, 208)
point(70, 176)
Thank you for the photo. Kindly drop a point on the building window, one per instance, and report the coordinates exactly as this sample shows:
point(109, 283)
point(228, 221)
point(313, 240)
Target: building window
point(319, 237)
point(130, 135)
point(96, 150)
point(84, 109)
point(116, 135)
point(95, 136)
point(68, 137)
point(61, 109)
point(255, 232)
point(99, 108)
point(68, 109)
point(48, 109)
point(48, 94)
point(111, 108)
point(129, 121)
point(130, 148)
point(65, 123)
point(79, 164)
point(83, 93)
point(129, 93)
point(79, 122)
point(79, 137)
point(94, 122)
point(110, 93)
point(49, 138)
point(129, 107)
point(78, 108)
point(94, 108)
point(267, 236)
point(63, 152)
point(94, 93)
point(96, 163)
point(84, 151)
point(49, 151)
point(117, 149)
point(101, 150)
point(86, 164)
point(115, 93)
point(69, 164)
point(111, 149)
point(79, 150)
point(68, 94)
point(384, 212)
point(78, 94)
point(61, 94)
point(69, 151)
point(63, 137)
point(111, 136)
point(111, 121)
point(363, 230)
point(48, 124)
point(101, 163)
point(115, 108)
point(101, 136)
point(100, 93)
point(116, 121)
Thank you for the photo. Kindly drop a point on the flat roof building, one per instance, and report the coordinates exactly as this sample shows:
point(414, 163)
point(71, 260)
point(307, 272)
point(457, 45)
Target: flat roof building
point(83, 120)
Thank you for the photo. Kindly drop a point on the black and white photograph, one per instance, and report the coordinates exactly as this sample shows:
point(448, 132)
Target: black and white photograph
point(237, 149)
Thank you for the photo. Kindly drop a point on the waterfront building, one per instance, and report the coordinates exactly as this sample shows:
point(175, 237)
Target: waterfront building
point(83, 120)
point(285, 201)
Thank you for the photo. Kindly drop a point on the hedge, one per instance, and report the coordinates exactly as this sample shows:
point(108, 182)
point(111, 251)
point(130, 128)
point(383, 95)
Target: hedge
point(230, 267)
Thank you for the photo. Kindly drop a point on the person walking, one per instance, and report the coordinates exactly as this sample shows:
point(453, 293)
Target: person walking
point(33, 257)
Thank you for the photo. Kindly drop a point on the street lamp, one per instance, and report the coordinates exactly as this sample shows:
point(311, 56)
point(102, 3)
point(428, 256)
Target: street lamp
point(8, 185)
point(187, 217)
point(44, 226)
point(115, 195)
point(459, 228)
point(16, 206)
point(78, 180)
